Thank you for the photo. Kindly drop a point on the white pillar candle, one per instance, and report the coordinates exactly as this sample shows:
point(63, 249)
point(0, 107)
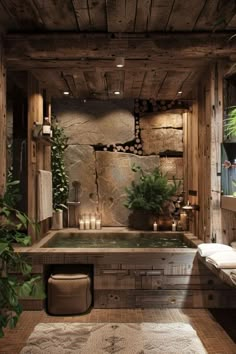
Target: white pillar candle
point(87, 224)
point(81, 224)
point(98, 224)
point(155, 226)
point(93, 223)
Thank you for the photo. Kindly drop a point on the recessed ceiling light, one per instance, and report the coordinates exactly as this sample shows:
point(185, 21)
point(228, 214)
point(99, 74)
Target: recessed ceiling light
point(66, 92)
point(120, 62)
point(116, 92)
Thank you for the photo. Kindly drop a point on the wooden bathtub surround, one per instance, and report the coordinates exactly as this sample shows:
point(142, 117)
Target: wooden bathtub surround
point(134, 278)
point(221, 273)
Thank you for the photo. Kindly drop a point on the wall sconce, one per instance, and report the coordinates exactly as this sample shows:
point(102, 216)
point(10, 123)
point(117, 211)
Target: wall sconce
point(120, 62)
point(190, 207)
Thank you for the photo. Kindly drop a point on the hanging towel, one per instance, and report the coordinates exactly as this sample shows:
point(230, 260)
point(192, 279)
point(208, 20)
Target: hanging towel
point(44, 195)
point(223, 259)
point(207, 249)
point(233, 276)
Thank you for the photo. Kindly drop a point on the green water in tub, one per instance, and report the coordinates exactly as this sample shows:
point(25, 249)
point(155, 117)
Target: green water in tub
point(117, 240)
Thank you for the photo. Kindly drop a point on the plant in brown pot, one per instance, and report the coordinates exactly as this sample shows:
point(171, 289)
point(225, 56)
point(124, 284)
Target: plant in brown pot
point(150, 198)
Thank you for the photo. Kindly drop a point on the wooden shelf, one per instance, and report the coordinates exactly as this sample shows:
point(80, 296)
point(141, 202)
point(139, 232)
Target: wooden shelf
point(228, 202)
point(39, 137)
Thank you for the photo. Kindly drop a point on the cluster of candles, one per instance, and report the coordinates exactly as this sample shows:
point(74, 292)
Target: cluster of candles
point(90, 222)
point(181, 224)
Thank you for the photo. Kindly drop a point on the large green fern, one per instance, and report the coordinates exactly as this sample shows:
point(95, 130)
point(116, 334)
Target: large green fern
point(230, 123)
point(151, 191)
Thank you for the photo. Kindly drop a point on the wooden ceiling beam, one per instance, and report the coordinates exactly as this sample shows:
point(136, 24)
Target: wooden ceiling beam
point(70, 47)
point(158, 64)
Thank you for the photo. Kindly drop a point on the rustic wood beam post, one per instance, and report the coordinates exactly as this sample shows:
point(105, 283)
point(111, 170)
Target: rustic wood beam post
point(3, 143)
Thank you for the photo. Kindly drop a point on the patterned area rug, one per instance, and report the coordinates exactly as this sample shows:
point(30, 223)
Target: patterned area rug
point(113, 338)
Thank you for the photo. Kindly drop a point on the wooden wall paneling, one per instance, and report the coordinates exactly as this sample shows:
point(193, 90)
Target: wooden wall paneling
point(142, 15)
point(189, 14)
point(121, 15)
point(194, 182)
point(3, 133)
point(216, 140)
point(57, 14)
point(98, 15)
point(35, 114)
point(152, 83)
point(159, 14)
point(221, 10)
point(172, 84)
point(228, 226)
point(32, 117)
point(185, 154)
point(95, 81)
point(205, 174)
point(24, 13)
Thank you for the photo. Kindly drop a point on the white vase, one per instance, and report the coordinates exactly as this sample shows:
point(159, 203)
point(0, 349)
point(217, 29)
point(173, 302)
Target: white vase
point(57, 220)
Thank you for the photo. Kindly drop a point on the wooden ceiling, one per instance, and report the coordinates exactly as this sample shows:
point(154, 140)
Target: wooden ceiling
point(72, 44)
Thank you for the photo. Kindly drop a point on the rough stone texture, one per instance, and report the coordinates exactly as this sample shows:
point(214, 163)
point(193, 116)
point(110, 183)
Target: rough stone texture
point(159, 140)
point(114, 174)
point(172, 167)
point(95, 122)
point(80, 165)
point(170, 119)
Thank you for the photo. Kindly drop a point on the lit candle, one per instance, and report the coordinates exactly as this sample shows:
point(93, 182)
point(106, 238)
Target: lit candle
point(155, 226)
point(81, 224)
point(98, 224)
point(93, 223)
point(87, 224)
point(173, 226)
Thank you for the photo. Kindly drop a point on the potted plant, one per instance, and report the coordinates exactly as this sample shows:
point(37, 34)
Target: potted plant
point(150, 197)
point(60, 182)
point(230, 123)
point(13, 224)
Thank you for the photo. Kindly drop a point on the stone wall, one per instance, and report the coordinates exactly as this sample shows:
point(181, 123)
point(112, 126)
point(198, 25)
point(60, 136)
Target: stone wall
point(105, 139)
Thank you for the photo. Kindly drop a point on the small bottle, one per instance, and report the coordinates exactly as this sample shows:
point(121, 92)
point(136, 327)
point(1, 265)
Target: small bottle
point(46, 127)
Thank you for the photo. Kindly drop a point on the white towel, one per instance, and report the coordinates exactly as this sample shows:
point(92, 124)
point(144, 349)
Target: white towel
point(223, 259)
point(233, 276)
point(207, 249)
point(44, 209)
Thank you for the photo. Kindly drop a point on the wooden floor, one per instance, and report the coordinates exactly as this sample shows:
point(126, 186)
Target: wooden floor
point(212, 335)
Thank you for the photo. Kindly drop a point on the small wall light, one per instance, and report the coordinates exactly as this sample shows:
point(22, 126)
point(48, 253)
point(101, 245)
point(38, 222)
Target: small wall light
point(120, 62)
point(116, 92)
point(66, 92)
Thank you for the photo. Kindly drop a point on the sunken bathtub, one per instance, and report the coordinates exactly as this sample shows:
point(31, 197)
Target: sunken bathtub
point(136, 269)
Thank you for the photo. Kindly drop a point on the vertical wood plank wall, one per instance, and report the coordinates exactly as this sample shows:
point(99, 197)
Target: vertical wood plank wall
point(205, 139)
point(190, 123)
point(38, 154)
point(3, 152)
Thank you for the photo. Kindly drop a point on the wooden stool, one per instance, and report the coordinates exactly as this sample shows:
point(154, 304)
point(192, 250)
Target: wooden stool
point(69, 294)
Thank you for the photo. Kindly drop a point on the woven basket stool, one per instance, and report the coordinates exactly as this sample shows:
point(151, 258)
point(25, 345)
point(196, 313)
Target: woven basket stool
point(69, 294)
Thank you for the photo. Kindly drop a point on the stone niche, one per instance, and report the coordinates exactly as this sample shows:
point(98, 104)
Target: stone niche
point(103, 175)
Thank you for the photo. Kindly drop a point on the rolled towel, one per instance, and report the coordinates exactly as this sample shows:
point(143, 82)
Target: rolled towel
point(233, 276)
point(223, 259)
point(207, 249)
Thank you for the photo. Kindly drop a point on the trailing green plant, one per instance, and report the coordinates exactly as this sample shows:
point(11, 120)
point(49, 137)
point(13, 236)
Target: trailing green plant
point(60, 180)
point(230, 123)
point(151, 191)
point(13, 224)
